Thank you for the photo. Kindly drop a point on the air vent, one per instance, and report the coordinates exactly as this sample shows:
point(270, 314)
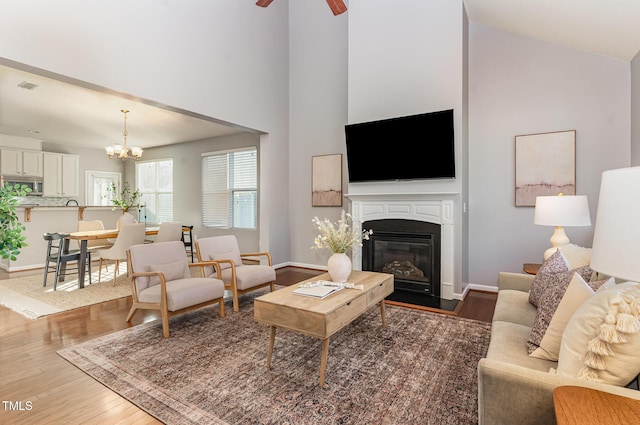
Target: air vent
point(27, 85)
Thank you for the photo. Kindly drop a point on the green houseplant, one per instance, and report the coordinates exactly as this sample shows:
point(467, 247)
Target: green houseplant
point(11, 238)
point(124, 198)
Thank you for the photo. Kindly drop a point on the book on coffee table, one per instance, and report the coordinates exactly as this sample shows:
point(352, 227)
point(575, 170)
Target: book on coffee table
point(317, 291)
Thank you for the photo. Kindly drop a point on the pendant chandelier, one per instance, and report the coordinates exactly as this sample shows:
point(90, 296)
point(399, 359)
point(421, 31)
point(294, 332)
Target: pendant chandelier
point(121, 151)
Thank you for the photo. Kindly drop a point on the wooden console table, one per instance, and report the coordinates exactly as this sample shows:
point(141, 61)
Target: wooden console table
point(586, 406)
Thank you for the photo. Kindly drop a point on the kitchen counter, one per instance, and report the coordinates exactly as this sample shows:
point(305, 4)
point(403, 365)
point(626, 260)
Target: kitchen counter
point(81, 208)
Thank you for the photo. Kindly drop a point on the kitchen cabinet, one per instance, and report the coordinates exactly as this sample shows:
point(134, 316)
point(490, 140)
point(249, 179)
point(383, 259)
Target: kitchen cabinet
point(60, 174)
point(15, 162)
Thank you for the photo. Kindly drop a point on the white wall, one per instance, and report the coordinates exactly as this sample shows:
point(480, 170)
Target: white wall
point(518, 85)
point(226, 59)
point(407, 59)
point(318, 113)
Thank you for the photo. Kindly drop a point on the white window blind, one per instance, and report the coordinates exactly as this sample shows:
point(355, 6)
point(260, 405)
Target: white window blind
point(154, 179)
point(230, 188)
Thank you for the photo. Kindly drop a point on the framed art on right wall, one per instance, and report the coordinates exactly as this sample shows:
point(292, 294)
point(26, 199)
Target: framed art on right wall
point(545, 166)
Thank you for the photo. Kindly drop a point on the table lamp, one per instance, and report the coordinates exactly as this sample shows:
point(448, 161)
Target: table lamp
point(561, 211)
point(616, 238)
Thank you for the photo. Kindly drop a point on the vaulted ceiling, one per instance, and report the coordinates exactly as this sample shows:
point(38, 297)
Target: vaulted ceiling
point(65, 112)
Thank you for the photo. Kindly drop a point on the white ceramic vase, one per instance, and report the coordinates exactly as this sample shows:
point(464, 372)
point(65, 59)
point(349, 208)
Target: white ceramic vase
point(339, 267)
point(126, 218)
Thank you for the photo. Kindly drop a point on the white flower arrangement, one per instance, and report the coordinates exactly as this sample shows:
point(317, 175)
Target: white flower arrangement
point(338, 237)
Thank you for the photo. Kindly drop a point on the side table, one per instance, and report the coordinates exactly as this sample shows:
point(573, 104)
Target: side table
point(531, 268)
point(586, 406)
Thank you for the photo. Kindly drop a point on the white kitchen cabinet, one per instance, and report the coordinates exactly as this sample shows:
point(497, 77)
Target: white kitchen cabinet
point(60, 174)
point(14, 162)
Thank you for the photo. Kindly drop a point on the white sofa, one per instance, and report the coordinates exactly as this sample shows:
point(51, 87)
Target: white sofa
point(513, 387)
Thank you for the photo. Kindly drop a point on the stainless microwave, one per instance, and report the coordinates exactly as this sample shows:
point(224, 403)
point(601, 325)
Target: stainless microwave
point(35, 183)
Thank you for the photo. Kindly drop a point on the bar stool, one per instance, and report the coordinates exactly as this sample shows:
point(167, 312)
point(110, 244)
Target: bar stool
point(59, 254)
point(187, 239)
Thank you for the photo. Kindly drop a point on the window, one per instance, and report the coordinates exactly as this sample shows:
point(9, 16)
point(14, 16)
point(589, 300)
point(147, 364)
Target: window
point(154, 179)
point(97, 184)
point(230, 188)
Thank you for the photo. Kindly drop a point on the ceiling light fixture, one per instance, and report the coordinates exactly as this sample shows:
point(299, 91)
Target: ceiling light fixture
point(121, 151)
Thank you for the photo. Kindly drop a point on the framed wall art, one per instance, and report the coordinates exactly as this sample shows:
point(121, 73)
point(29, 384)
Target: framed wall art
point(326, 180)
point(545, 165)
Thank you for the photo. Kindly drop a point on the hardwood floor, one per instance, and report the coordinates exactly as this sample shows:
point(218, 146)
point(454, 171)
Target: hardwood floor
point(39, 387)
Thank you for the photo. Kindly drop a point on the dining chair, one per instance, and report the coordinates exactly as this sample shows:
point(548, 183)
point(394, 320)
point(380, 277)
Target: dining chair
point(58, 253)
point(128, 235)
point(161, 280)
point(93, 245)
point(228, 265)
point(169, 231)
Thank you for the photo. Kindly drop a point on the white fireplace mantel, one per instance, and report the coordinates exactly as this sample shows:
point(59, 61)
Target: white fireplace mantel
point(432, 207)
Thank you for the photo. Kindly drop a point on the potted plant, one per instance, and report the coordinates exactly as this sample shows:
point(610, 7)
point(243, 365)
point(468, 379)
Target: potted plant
point(338, 238)
point(11, 238)
point(125, 198)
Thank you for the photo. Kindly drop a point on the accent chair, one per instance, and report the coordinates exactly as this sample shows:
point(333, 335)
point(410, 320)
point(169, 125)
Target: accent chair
point(161, 280)
point(228, 266)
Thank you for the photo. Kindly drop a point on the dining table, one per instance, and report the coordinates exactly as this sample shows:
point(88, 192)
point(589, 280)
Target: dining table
point(88, 235)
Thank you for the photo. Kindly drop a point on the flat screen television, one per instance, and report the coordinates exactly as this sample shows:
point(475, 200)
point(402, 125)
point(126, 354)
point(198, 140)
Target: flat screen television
point(404, 148)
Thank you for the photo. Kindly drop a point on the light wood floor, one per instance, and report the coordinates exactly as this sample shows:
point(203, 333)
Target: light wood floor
point(59, 393)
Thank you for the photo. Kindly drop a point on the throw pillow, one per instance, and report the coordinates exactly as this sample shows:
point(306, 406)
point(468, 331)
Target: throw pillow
point(172, 271)
point(555, 309)
point(556, 263)
point(576, 256)
point(550, 298)
point(602, 339)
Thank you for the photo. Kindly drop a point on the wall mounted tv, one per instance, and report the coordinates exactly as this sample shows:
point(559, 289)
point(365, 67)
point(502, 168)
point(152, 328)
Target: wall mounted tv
point(404, 148)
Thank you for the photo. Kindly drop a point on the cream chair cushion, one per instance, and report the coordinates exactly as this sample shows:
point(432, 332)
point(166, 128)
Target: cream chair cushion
point(183, 293)
point(249, 276)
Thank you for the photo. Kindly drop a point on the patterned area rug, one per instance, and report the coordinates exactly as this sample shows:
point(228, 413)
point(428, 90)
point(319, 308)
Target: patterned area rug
point(420, 369)
point(27, 296)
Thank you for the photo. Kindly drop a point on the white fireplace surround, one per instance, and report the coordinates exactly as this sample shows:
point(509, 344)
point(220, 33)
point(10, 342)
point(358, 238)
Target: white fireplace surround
point(435, 208)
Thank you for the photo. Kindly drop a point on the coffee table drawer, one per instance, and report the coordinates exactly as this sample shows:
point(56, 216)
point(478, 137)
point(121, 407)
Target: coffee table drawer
point(345, 314)
point(380, 292)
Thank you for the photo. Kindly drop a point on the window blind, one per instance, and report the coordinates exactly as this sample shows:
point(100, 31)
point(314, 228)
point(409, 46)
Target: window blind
point(230, 188)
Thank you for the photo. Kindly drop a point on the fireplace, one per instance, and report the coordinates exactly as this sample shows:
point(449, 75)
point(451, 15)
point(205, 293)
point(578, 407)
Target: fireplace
point(408, 249)
point(437, 216)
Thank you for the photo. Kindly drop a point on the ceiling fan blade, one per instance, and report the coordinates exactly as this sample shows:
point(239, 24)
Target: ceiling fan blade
point(263, 3)
point(337, 6)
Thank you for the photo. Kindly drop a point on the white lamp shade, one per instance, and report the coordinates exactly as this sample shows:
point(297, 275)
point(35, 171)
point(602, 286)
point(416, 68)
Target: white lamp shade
point(566, 211)
point(616, 238)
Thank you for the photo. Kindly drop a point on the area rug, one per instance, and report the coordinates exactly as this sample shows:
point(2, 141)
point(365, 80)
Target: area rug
point(420, 369)
point(27, 296)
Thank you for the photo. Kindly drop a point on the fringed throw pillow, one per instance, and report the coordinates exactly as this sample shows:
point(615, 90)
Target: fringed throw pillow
point(602, 340)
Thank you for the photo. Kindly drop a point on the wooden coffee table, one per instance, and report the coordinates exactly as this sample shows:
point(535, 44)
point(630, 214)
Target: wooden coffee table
point(324, 317)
